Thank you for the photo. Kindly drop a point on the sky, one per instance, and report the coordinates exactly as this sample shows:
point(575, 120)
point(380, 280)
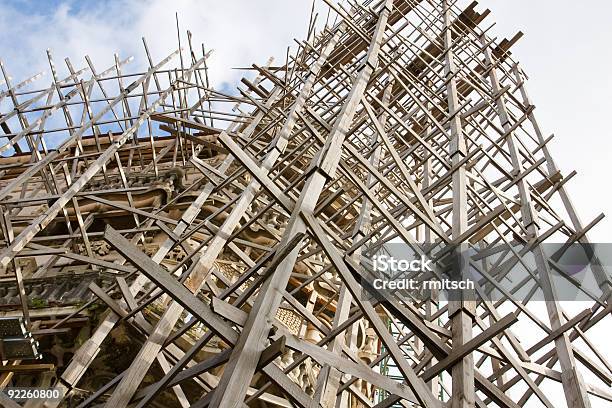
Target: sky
point(567, 55)
point(239, 32)
point(565, 51)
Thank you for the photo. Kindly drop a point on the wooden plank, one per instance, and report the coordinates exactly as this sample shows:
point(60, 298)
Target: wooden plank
point(27, 368)
point(418, 387)
point(190, 302)
point(247, 351)
point(466, 348)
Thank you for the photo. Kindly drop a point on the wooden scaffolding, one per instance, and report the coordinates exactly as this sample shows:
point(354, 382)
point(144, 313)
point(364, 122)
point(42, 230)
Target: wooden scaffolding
point(230, 235)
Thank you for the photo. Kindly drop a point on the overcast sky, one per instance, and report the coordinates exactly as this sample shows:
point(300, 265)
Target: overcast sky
point(567, 54)
point(566, 51)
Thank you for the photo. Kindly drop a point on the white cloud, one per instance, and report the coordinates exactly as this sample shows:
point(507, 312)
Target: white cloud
point(567, 55)
point(241, 32)
point(565, 52)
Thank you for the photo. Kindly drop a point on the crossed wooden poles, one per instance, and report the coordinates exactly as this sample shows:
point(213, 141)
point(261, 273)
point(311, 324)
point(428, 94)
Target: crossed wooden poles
point(401, 121)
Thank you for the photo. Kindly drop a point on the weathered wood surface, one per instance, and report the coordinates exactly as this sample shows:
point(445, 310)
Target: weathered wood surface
point(242, 228)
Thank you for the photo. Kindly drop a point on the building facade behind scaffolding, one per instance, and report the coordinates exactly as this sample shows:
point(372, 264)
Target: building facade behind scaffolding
point(165, 244)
